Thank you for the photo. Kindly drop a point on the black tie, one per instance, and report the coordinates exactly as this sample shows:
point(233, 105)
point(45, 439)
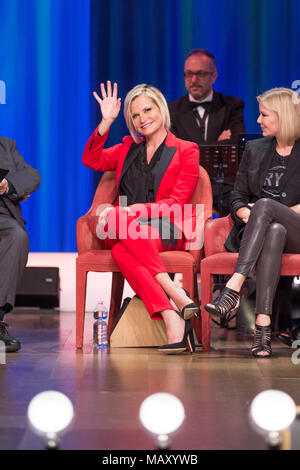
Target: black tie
point(201, 120)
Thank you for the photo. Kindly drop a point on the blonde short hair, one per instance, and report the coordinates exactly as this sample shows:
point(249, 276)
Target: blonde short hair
point(286, 103)
point(156, 96)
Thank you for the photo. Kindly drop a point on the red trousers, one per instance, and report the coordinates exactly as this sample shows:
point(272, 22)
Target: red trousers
point(138, 257)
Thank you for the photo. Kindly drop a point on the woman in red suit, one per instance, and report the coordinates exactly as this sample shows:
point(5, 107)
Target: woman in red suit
point(156, 176)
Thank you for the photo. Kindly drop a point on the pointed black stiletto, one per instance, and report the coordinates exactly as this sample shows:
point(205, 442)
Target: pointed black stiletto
point(226, 303)
point(190, 310)
point(187, 343)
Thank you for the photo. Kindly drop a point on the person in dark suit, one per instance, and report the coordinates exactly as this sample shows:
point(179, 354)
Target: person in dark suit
point(205, 116)
point(20, 181)
point(156, 176)
point(265, 205)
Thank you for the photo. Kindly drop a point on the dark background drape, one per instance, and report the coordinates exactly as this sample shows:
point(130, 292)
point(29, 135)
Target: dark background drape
point(54, 53)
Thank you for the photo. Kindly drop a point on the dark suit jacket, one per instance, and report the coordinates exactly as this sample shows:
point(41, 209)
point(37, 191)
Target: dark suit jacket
point(250, 178)
point(175, 180)
point(24, 178)
point(227, 112)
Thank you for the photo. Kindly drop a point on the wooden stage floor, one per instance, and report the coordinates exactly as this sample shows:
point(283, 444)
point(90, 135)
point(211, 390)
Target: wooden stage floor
point(106, 389)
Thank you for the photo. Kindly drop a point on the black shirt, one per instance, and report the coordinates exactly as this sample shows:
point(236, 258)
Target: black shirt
point(138, 181)
point(271, 186)
point(137, 185)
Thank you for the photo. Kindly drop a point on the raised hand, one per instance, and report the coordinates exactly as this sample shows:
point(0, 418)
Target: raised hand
point(110, 105)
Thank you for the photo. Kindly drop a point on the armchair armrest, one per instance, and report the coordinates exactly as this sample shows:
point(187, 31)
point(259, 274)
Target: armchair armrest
point(86, 234)
point(215, 234)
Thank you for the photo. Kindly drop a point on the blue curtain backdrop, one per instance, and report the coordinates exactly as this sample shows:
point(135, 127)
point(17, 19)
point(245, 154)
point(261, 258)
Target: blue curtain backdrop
point(45, 64)
point(54, 53)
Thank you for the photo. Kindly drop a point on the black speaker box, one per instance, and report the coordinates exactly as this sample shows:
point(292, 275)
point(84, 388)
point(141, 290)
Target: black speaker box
point(39, 287)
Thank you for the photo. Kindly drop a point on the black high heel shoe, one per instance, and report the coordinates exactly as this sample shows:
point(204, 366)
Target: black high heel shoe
point(262, 341)
point(187, 343)
point(226, 303)
point(189, 311)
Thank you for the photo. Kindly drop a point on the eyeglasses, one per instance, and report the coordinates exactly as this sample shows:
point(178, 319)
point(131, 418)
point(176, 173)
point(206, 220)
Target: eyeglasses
point(199, 74)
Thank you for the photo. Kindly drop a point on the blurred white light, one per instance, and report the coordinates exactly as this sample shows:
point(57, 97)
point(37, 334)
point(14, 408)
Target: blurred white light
point(50, 413)
point(273, 411)
point(162, 414)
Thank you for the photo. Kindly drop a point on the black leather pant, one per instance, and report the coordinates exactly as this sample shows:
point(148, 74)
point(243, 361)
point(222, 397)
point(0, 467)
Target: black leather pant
point(271, 230)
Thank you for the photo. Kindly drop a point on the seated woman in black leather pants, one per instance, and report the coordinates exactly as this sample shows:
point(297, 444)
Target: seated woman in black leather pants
point(265, 205)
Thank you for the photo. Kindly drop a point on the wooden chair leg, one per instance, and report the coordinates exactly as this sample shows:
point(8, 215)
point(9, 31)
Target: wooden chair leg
point(196, 290)
point(206, 296)
point(188, 282)
point(117, 288)
point(81, 279)
point(197, 321)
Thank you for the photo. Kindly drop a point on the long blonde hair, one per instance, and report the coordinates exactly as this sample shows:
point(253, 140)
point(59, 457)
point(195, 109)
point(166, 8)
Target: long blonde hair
point(286, 103)
point(156, 96)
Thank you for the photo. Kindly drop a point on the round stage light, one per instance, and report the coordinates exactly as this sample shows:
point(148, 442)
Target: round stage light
point(162, 414)
point(273, 410)
point(50, 414)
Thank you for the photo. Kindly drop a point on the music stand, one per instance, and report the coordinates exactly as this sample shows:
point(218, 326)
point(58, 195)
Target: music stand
point(221, 163)
point(221, 160)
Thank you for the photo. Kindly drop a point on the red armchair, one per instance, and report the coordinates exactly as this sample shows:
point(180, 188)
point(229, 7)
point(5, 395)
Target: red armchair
point(93, 257)
point(219, 261)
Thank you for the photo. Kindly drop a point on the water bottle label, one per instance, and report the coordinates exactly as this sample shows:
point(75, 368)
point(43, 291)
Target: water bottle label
point(100, 326)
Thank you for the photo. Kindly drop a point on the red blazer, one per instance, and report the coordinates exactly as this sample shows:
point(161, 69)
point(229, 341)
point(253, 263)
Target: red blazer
point(174, 184)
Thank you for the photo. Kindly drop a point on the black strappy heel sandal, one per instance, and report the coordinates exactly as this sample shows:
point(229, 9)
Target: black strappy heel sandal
point(226, 303)
point(187, 343)
point(262, 341)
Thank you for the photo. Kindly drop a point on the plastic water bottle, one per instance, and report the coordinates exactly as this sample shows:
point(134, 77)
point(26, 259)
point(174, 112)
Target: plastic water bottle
point(100, 326)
